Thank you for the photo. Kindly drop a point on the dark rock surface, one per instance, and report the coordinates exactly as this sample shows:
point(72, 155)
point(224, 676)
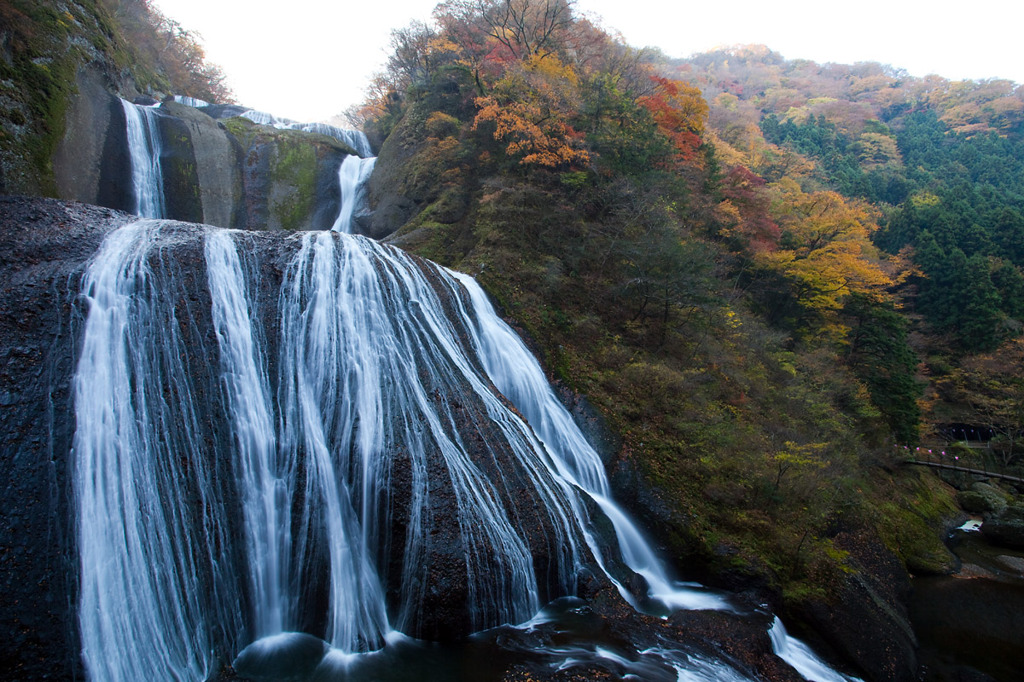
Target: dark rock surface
point(867, 621)
point(981, 498)
point(91, 163)
point(399, 187)
point(43, 245)
point(215, 160)
point(289, 177)
point(1005, 528)
point(287, 656)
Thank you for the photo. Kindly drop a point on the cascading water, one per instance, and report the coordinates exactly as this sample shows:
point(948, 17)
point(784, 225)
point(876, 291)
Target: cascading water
point(352, 177)
point(802, 658)
point(149, 521)
point(353, 138)
point(193, 102)
point(373, 381)
point(144, 147)
point(519, 377)
point(247, 395)
point(232, 494)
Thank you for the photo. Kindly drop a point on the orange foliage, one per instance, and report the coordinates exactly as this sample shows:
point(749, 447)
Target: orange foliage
point(680, 111)
point(530, 109)
point(527, 133)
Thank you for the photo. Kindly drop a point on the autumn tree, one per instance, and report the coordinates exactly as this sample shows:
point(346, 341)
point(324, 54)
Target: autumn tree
point(529, 113)
point(680, 111)
point(744, 212)
point(825, 254)
point(172, 49)
point(523, 27)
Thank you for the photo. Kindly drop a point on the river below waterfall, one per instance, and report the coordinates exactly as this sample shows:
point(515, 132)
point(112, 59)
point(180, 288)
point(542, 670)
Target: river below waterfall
point(971, 624)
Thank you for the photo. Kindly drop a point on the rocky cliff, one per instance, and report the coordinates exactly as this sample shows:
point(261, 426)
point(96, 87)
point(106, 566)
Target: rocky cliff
point(43, 244)
point(228, 173)
point(64, 67)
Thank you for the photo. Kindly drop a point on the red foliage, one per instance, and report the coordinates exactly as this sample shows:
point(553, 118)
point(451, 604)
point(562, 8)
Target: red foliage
point(680, 111)
point(744, 189)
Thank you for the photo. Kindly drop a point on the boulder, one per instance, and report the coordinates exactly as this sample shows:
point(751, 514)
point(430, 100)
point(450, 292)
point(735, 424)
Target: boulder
point(204, 154)
point(981, 498)
point(866, 621)
point(1005, 528)
point(91, 163)
point(289, 177)
point(282, 657)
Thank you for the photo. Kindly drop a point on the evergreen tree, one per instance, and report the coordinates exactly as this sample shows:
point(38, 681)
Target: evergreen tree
point(881, 357)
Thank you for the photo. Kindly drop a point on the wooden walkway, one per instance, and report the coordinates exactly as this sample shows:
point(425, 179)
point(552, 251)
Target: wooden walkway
point(966, 470)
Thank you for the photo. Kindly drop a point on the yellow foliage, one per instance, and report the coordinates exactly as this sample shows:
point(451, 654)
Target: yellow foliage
point(925, 200)
point(529, 108)
point(876, 150)
point(826, 250)
point(551, 69)
point(550, 146)
point(728, 154)
point(440, 125)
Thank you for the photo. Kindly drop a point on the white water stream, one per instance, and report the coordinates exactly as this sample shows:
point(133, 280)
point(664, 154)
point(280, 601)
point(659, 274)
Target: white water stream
point(232, 494)
point(145, 146)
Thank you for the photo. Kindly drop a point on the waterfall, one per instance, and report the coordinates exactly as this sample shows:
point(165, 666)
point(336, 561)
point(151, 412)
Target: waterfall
point(372, 378)
point(193, 102)
point(310, 457)
point(352, 177)
point(802, 658)
point(144, 147)
point(354, 171)
point(248, 398)
point(519, 377)
point(148, 519)
point(353, 138)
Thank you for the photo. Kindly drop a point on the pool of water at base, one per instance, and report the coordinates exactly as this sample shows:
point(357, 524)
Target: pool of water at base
point(972, 622)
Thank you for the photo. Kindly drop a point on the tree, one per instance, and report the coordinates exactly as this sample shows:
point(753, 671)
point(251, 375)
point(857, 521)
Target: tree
point(979, 327)
point(523, 27)
point(680, 111)
point(529, 111)
point(878, 353)
point(745, 208)
point(825, 255)
point(991, 388)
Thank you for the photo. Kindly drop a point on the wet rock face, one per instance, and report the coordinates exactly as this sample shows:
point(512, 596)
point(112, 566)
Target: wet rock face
point(44, 248)
point(289, 177)
point(201, 168)
point(43, 245)
point(868, 622)
point(234, 174)
point(89, 164)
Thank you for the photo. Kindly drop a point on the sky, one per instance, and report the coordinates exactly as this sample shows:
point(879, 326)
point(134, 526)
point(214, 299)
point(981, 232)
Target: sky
point(311, 59)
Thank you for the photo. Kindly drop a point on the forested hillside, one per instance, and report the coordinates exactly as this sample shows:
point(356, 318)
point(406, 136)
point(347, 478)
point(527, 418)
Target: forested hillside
point(743, 314)
point(941, 164)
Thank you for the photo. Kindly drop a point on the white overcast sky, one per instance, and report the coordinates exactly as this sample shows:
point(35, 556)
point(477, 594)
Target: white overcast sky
point(311, 59)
